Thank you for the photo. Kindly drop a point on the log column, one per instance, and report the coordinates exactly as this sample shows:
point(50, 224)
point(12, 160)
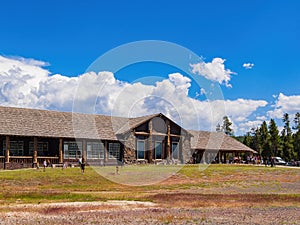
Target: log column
point(150, 142)
point(7, 152)
point(219, 157)
point(204, 157)
point(84, 152)
point(169, 143)
point(60, 151)
point(35, 151)
point(105, 152)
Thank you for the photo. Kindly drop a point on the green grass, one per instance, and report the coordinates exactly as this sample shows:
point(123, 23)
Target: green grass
point(140, 182)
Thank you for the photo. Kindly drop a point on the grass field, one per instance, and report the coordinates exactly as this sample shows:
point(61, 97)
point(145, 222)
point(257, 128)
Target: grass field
point(240, 188)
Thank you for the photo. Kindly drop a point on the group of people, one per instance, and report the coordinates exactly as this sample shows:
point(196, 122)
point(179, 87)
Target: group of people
point(81, 161)
point(251, 159)
point(269, 161)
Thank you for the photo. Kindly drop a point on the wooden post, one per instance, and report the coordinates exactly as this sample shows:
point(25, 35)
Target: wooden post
point(204, 157)
point(84, 152)
point(150, 142)
point(35, 151)
point(7, 152)
point(219, 156)
point(169, 143)
point(60, 151)
point(105, 152)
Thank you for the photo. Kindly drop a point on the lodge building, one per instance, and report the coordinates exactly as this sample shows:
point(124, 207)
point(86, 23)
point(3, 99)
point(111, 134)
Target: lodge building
point(30, 136)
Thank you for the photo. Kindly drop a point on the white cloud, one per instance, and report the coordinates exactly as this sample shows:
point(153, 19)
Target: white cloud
point(248, 65)
point(246, 126)
point(20, 79)
point(25, 83)
point(214, 71)
point(285, 104)
point(262, 118)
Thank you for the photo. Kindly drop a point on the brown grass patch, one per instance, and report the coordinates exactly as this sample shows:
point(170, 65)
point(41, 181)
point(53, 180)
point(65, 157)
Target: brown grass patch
point(224, 200)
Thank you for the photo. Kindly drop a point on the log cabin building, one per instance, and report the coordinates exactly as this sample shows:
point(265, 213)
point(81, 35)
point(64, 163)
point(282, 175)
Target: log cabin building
point(30, 136)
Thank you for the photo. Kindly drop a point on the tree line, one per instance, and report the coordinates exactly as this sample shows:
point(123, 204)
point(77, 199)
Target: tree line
point(268, 141)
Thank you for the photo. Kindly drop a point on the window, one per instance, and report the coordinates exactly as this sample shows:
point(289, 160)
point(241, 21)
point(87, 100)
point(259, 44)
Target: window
point(16, 148)
point(158, 150)
point(114, 150)
point(42, 148)
point(95, 150)
point(175, 150)
point(140, 149)
point(72, 149)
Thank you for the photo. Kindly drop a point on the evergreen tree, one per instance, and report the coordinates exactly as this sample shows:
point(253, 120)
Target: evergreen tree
point(256, 141)
point(296, 136)
point(275, 143)
point(264, 140)
point(247, 139)
point(297, 121)
point(226, 126)
point(287, 139)
point(253, 143)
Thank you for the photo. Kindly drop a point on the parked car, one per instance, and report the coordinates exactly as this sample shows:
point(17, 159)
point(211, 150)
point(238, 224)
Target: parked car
point(279, 161)
point(293, 163)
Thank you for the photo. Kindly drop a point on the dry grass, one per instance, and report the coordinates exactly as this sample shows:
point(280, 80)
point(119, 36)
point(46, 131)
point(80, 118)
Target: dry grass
point(227, 194)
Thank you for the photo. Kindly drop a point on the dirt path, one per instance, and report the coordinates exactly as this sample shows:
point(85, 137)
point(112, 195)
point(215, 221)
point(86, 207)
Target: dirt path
point(133, 212)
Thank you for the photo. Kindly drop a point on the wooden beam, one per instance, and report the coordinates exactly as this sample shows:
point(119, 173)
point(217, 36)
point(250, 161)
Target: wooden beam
point(7, 152)
point(150, 142)
point(169, 143)
point(35, 151)
point(84, 152)
point(204, 157)
point(141, 133)
point(60, 151)
point(105, 152)
point(155, 134)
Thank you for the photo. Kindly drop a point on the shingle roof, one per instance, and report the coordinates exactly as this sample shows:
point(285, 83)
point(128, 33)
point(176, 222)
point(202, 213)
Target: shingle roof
point(204, 140)
point(129, 124)
point(46, 123)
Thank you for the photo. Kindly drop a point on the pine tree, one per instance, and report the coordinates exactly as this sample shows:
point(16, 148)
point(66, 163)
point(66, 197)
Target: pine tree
point(296, 136)
point(256, 141)
point(275, 143)
point(247, 139)
point(226, 126)
point(264, 139)
point(287, 139)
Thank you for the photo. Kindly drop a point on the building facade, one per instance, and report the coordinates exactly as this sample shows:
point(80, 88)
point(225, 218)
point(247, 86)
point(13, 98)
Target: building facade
point(30, 136)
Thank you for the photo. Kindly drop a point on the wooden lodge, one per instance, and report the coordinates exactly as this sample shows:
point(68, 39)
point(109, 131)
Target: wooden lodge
point(210, 147)
point(30, 136)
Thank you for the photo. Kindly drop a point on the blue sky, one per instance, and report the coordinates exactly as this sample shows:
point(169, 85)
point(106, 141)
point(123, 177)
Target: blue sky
point(63, 38)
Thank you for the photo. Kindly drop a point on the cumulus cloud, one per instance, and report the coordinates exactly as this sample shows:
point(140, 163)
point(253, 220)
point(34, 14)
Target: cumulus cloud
point(214, 71)
point(285, 104)
point(26, 83)
point(20, 80)
point(248, 65)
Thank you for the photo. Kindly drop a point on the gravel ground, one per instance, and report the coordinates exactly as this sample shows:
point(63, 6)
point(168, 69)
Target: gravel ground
point(130, 212)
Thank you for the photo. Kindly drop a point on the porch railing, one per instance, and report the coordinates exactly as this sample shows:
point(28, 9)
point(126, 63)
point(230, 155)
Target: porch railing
point(17, 162)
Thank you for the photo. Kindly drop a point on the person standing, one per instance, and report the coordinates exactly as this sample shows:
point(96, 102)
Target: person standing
point(45, 165)
point(82, 164)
